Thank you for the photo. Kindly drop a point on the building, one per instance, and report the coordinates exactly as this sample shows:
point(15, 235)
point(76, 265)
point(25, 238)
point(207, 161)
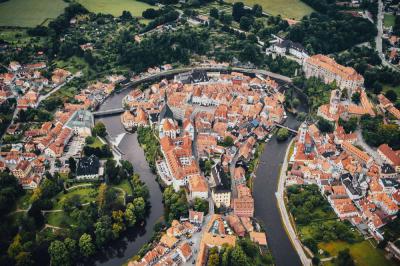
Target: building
point(22, 170)
point(198, 187)
point(390, 156)
point(81, 122)
point(88, 168)
point(328, 70)
point(283, 47)
point(220, 188)
point(243, 205)
point(216, 234)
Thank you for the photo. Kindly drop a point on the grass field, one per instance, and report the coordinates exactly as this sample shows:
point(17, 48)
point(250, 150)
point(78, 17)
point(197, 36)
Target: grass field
point(86, 195)
point(97, 143)
point(293, 9)
point(29, 13)
point(388, 20)
point(125, 186)
point(363, 253)
point(115, 7)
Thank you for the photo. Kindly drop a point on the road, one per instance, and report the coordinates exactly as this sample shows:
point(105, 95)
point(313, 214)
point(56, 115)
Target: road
point(44, 97)
point(284, 213)
point(378, 38)
point(361, 142)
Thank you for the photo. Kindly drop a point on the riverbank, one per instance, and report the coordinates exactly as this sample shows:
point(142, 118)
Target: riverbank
point(280, 194)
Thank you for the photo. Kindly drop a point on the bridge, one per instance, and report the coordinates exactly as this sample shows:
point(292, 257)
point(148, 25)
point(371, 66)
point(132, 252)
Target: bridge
point(288, 128)
point(109, 112)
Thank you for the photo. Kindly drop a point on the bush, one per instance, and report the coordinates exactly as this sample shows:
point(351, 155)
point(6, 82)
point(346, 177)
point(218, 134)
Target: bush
point(283, 134)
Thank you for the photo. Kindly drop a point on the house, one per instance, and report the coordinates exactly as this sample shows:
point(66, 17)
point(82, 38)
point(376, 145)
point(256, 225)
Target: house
point(243, 205)
point(88, 168)
point(22, 170)
point(195, 217)
point(283, 47)
point(220, 187)
point(198, 187)
point(169, 127)
point(259, 238)
point(390, 156)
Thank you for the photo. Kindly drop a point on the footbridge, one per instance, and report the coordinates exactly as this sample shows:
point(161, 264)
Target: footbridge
point(288, 128)
point(115, 111)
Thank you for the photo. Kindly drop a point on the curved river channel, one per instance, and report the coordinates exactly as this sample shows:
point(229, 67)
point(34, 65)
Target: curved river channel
point(265, 186)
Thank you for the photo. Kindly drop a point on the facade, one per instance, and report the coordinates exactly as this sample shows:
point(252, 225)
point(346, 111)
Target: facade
point(328, 70)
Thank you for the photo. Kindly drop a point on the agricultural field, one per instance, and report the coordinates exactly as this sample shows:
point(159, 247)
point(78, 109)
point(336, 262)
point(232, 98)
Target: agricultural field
point(293, 9)
point(115, 7)
point(29, 13)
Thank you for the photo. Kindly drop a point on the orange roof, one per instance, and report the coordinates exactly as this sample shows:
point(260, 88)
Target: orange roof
point(390, 154)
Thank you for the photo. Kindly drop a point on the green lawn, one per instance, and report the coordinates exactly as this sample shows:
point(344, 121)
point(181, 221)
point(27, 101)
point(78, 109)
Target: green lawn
point(24, 201)
point(87, 194)
point(363, 252)
point(59, 219)
point(388, 20)
point(73, 64)
point(97, 143)
point(115, 7)
point(293, 9)
point(125, 185)
point(29, 13)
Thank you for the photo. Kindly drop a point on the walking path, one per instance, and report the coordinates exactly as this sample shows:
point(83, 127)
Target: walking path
point(284, 212)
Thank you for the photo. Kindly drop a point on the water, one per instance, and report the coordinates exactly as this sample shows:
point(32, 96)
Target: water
point(266, 208)
point(265, 186)
point(120, 251)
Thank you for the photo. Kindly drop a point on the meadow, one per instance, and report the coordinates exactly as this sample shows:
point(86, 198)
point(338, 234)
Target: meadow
point(29, 13)
point(115, 7)
point(293, 9)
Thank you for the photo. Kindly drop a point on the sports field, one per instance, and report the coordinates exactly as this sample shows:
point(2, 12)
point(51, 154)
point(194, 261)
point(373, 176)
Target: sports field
point(293, 9)
point(115, 7)
point(29, 13)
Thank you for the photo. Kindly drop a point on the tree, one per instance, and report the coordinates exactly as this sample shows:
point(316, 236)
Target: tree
point(86, 246)
point(103, 230)
point(356, 97)
point(225, 18)
point(283, 134)
point(238, 257)
point(99, 129)
point(214, 13)
point(238, 11)
point(228, 141)
point(245, 23)
point(150, 13)
point(58, 253)
point(391, 95)
point(126, 15)
point(257, 10)
point(200, 205)
point(72, 248)
point(344, 258)
point(15, 247)
point(139, 208)
point(324, 125)
point(130, 217)
point(72, 165)
point(24, 259)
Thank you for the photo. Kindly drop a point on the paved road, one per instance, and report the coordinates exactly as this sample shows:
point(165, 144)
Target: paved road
point(378, 38)
point(284, 213)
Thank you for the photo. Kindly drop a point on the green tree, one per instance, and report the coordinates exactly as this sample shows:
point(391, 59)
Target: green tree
point(356, 97)
point(72, 165)
point(214, 13)
point(130, 217)
point(59, 254)
point(257, 10)
point(246, 23)
point(200, 205)
point(324, 125)
point(15, 247)
point(86, 246)
point(238, 11)
point(99, 129)
point(283, 134)
point(391, 95)
point(103, 230)
point(344, 258)
point(72, 248)
point(139, 208)
point(238, 257)
point(228, 141)
point(24, 259)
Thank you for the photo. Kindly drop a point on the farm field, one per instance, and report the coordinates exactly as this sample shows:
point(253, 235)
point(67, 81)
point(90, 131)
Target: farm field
point(293, 9)
point(29, 13)
point(115, 7)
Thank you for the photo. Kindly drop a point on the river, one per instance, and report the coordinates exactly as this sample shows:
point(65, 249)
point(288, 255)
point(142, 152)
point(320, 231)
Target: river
point(125, 248)
point(265, 186)
point(266, 208)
